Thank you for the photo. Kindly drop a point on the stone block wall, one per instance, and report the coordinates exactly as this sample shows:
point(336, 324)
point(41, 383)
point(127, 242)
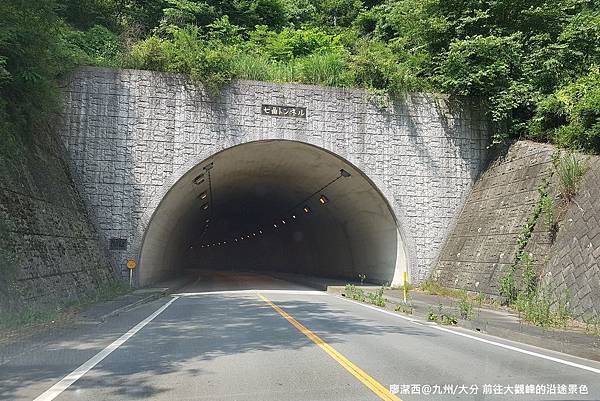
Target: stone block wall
point(573, 268)
point(484, 241)
point(49, 248)
point(132, 134)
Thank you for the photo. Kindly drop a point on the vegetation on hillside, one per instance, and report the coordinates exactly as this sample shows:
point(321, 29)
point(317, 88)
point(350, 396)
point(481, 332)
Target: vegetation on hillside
point(535, 63)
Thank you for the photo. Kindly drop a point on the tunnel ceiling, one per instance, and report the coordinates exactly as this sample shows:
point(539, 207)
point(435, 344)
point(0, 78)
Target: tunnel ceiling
point(245, 190)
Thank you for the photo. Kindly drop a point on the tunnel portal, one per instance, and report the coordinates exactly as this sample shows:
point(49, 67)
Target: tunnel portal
point(279, 206)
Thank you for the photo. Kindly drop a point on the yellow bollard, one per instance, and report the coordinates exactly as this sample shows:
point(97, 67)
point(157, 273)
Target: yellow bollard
point(405, 288)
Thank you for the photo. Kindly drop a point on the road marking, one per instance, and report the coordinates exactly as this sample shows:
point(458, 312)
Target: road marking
point(253, 292)
point(367, 380)
point(75, 375)
point(483, 340)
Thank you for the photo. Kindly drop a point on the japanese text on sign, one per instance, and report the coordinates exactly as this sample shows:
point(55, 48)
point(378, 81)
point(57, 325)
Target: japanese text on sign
point(283, 111)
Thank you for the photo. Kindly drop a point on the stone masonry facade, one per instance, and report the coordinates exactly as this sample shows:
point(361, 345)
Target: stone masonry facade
point(131, 134)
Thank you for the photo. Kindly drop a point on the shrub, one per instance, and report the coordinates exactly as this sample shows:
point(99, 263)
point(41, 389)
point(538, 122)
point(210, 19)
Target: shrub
point(354, 293)
point(465, 308)
point(376, 298)
point(98, 45)
point(152, 53)
point(570, 117)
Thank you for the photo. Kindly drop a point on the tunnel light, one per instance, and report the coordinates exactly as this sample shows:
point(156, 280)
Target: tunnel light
point(203, 195)
point(275, 225)
point(260, 231)
point(283, 221)
point(344, 173)
point(254, 234)
point(205, 206)
point(199, 179)
point(293, 216)
point(323, 199)
point(207, 220)
point(247, 236)
point(235, 239)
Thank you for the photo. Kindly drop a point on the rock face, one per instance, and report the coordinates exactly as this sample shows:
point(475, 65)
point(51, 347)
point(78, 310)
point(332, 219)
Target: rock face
point(49, 248)
point(131, 135)
point(484, 241)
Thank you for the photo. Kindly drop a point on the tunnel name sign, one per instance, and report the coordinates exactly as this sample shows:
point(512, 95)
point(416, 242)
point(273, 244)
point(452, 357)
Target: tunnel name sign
point(283, 111)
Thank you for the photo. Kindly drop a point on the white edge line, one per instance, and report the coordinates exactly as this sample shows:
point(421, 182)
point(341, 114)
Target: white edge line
point(291, 292)
point(75, 375)
point(483, 340)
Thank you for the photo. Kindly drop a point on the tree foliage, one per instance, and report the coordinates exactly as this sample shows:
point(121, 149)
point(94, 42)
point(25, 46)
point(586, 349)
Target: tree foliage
point(534, 63)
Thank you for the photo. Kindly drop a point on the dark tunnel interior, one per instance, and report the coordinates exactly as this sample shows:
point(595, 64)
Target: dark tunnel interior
point(281, 206)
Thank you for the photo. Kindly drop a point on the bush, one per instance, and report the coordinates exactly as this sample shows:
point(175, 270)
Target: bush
point(152, 53)
point(96, 46)
point(537, 308)
point(570, 117)
point(376, 298)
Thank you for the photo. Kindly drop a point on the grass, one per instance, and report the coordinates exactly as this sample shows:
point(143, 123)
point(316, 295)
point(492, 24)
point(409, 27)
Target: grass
point(571, 170)
point(404, 308)
point(59, 309)
point(375, 298)
point(465, 308)
point(592, 327)
point(328, 69)
point(433, 288)
point(441, 317)
point(537, 308)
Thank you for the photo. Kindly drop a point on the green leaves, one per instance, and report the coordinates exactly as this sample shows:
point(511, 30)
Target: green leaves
point(534, 64)
point(570, 116)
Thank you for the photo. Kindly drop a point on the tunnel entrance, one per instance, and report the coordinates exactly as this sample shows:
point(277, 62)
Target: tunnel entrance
point(276, 205)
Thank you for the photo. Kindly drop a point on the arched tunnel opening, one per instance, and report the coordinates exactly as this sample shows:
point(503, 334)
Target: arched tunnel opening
point(274, 206)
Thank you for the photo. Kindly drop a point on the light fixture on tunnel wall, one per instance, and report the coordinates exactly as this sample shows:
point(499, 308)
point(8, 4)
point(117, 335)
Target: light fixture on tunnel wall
point(203, 195)
point(292, 214)
point(199, 179)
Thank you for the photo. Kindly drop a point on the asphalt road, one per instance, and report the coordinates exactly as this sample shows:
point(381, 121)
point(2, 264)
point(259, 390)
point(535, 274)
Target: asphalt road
point(222, 340)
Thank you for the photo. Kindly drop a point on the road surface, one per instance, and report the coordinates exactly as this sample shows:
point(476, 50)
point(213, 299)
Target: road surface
point(249, 337)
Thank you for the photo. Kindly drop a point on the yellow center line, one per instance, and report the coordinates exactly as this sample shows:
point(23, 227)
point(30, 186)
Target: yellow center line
point(361, 375)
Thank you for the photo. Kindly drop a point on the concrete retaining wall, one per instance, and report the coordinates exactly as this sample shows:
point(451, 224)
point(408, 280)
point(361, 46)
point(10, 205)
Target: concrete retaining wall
point(49, 248)
point(483, 244)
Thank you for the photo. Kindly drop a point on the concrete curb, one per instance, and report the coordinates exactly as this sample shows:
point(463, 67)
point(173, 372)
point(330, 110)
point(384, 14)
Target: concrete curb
point(153, 296)
point(569, 342)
